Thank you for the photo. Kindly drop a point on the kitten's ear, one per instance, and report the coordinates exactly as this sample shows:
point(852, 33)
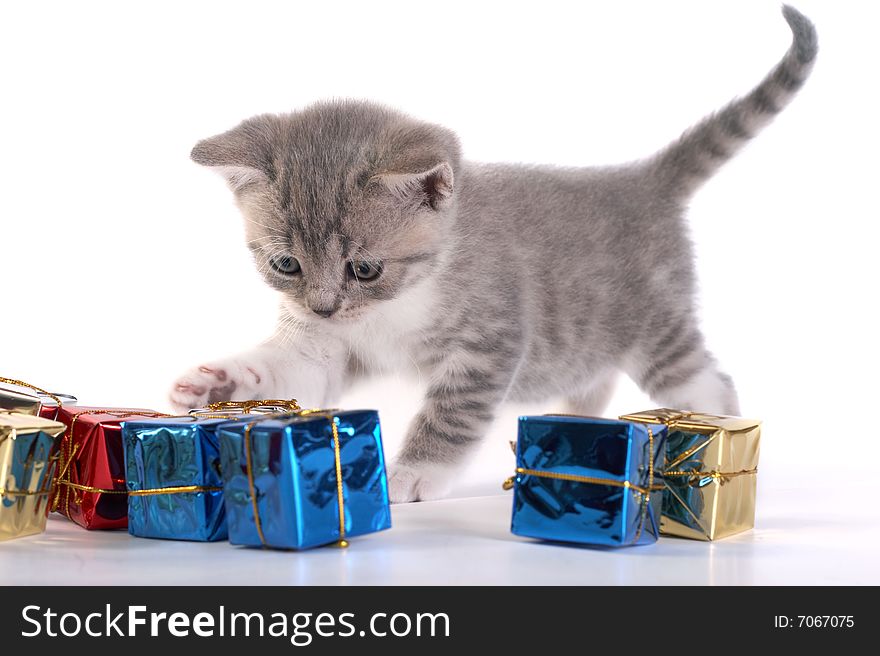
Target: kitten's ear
point(431, 188)
point(239, 155)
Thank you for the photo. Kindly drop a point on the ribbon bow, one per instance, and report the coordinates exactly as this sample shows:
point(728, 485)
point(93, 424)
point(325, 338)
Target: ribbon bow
point(291, 405)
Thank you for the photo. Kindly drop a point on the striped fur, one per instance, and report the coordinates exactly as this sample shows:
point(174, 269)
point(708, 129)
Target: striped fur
point(702, 150)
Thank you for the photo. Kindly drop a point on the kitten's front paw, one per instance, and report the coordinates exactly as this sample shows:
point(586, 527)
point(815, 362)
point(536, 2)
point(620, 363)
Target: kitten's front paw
point(209, 383)
point(418, 482)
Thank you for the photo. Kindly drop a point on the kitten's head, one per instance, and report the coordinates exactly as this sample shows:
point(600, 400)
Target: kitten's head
point(347, 204)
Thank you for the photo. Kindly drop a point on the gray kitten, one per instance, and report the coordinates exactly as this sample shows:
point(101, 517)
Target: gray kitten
point(494, 281)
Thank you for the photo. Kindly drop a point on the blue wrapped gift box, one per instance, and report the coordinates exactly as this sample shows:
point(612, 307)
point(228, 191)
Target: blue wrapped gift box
point(588, 480)
point(306, 480)
point(172, 471)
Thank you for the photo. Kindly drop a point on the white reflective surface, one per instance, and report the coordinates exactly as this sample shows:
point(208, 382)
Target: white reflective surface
point(805, 536)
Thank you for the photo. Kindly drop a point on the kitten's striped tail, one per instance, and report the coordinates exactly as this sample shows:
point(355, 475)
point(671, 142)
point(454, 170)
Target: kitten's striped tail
point(691, 160)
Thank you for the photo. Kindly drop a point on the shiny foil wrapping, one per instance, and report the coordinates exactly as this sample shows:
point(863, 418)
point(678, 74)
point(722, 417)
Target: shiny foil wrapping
point(291, 468)
point(710, 474)
point(28, 456)
point(169, 453)
point(603, 509)
point(91, 489)
point(17, 398)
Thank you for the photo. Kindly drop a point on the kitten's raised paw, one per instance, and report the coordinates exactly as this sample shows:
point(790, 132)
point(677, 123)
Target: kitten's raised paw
point(209, 383)
point(408, 482)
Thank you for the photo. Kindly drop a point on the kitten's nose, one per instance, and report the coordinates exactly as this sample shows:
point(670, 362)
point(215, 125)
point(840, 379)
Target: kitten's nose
point(324, 312)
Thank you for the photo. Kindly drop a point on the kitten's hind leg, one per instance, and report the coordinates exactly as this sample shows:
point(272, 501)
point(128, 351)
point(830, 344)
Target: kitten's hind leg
point(594, 398)
point(679, 372)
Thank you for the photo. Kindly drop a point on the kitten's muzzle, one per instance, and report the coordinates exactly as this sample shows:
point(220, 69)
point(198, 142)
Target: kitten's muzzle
point(324, 312)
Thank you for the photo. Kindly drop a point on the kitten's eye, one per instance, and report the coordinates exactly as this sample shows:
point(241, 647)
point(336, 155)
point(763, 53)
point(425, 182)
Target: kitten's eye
point(363, 270)
point(285, 265)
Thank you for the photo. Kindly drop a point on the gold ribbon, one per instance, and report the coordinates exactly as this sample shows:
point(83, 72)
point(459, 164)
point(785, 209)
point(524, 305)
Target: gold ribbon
point(290, 405)
point(174, 489)
point(45, 488)
point(42, 492)
point(542, 473)
point(23, 493)
point(340, 497)
point(697, 476)
point(205, 415)
point(644, 492)
point(250, 476)
point(21, 383)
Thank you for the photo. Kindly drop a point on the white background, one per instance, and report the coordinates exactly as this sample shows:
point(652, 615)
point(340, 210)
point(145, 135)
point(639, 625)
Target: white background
point(123, 263)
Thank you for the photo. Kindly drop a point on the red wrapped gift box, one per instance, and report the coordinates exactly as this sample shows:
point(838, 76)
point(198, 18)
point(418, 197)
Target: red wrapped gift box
point(90, 485)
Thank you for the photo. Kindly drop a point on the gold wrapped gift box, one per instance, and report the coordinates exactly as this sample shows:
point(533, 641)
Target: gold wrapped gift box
point(28, 456)
point(710, 476)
